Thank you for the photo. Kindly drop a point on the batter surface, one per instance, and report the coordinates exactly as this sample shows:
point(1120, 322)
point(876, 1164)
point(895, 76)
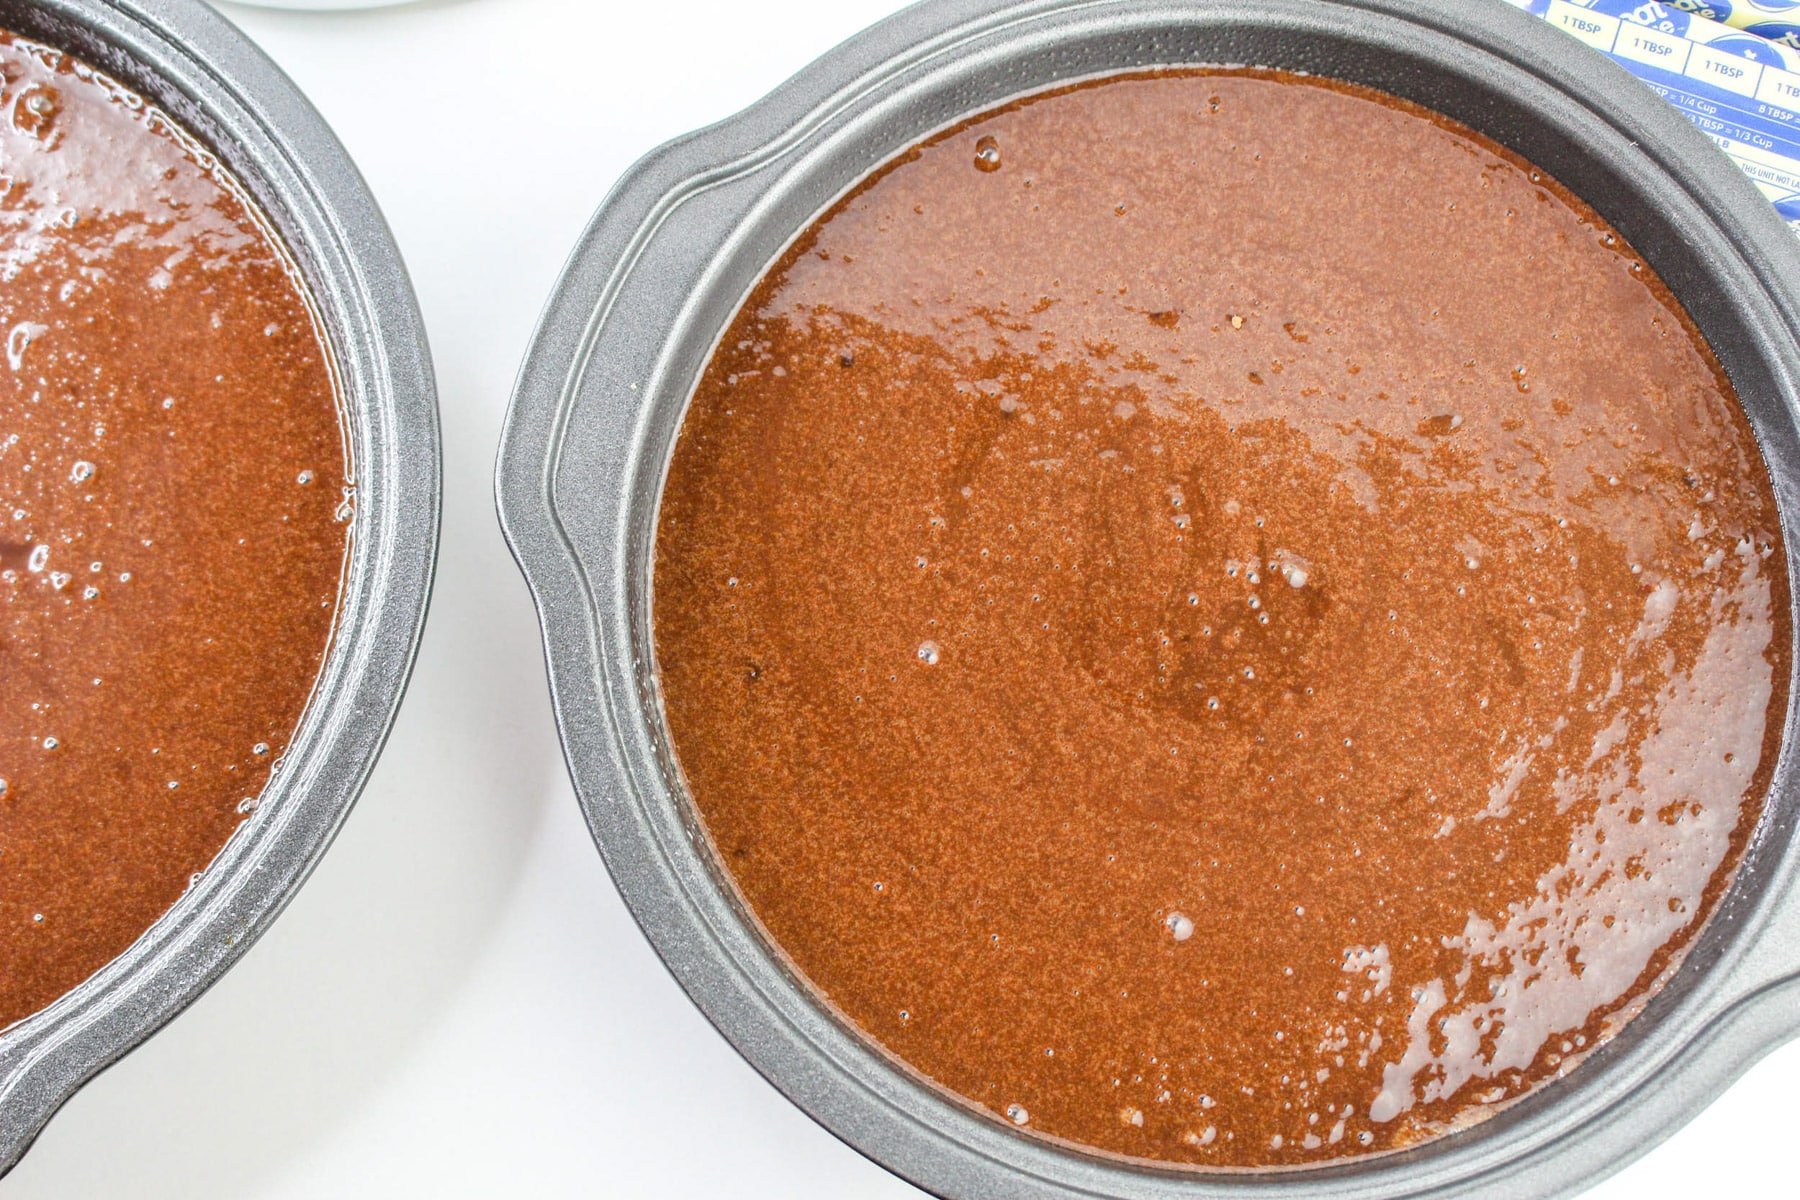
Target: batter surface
point(1222, 618)
point(172, 516)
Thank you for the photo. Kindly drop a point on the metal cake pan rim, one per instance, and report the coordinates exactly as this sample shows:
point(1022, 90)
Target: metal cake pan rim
point(188, 59)
point(1759, 1010)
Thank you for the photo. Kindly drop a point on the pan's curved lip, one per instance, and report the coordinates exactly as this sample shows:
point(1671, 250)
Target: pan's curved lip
point(189, 60)
point(1747, 1001)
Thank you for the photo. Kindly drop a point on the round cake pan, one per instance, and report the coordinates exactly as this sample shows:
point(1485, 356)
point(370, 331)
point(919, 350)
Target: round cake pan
point(190, 62)
point(670, 257)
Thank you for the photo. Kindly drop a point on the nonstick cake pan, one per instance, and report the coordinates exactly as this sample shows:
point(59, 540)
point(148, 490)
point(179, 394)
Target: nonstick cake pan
point(187, 60)
point(679, 243)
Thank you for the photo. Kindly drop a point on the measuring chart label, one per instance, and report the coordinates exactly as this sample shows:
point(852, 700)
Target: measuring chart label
point(1732, 67)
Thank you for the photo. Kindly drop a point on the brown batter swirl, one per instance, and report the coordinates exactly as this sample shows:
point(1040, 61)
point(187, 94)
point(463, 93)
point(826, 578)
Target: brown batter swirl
point(173, 499)
point(1222, 618)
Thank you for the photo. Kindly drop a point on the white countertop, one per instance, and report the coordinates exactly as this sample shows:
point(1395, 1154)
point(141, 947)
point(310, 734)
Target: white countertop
point(458, 1004)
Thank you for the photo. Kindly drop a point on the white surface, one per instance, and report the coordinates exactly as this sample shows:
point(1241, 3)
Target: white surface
point(458, 1004)
point(320, 5)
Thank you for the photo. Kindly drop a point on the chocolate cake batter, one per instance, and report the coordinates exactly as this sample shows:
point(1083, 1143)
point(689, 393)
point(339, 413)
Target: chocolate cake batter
point(173, 516)
point(1222, 618)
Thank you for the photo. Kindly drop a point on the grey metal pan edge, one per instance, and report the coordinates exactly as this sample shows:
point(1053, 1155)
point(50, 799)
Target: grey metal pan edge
point(190, 61)
point(685, 233)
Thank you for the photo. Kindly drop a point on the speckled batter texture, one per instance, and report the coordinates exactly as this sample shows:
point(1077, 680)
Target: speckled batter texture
point(1222, 618)
point(173, 508)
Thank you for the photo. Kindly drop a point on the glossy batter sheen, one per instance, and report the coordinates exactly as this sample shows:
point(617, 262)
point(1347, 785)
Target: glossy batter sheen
point(1221, 618)
point(172, 516)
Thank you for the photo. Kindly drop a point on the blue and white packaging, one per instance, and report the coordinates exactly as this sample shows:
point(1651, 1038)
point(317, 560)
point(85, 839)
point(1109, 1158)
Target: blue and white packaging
point(1741, 88)
point(1777, 20)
